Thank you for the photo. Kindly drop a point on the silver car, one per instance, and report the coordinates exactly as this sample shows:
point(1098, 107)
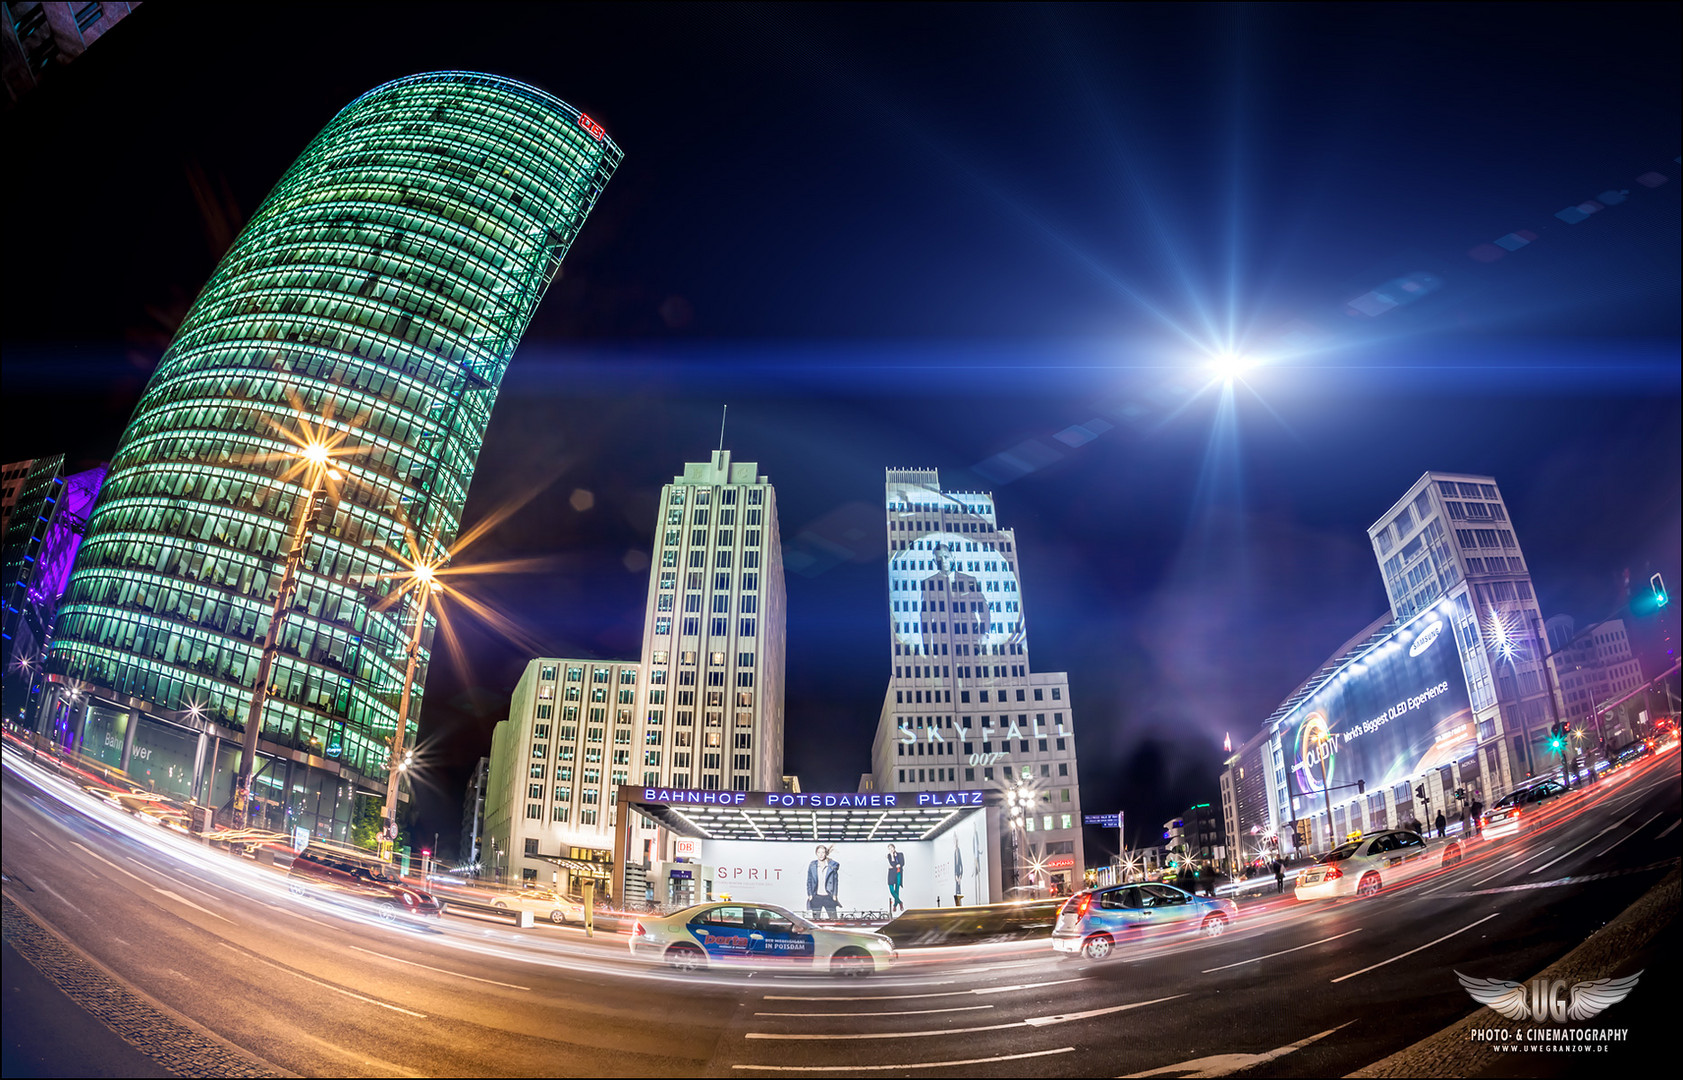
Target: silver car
point(731, 933)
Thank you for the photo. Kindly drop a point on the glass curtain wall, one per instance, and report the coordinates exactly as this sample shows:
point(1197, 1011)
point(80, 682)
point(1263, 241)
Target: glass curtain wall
point(374, 301)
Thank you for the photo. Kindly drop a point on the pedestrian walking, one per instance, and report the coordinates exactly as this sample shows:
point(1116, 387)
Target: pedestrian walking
point(1442, 824)
point(1478, 816)
point(1279, 877)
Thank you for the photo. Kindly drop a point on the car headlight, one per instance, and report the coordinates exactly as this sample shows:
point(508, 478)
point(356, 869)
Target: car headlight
point(408, 898)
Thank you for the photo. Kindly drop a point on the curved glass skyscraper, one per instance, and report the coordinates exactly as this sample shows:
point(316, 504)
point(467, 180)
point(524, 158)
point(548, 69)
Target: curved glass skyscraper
point(374, 300)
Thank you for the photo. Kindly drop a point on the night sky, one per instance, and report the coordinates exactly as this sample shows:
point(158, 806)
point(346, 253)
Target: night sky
point(938, 235)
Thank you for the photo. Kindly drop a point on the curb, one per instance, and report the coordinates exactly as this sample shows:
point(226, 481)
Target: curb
point(1451, 1052)
point(172, 1040)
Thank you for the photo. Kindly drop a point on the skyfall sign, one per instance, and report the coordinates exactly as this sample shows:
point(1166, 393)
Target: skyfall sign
point(826, 800)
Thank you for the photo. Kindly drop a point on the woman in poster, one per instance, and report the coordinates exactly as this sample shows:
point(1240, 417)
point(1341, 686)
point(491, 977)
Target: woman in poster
point(896, 878)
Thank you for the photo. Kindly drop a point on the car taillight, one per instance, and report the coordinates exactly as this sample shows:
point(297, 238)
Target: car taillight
point(1082, 903)
point(638, 931)
point(1333, 874)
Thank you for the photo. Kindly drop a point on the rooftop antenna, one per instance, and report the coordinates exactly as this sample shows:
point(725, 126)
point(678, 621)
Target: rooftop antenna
point(722, 416)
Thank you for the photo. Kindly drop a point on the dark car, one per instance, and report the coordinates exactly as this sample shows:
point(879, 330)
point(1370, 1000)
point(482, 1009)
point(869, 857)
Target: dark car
point(1506, 817)
point(345, 879)
point(1632, 752)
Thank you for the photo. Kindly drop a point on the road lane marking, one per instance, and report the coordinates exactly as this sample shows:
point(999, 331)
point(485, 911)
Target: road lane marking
point(441, 971)
point(1224, 1064)
point(1516, 866)
point(894, 1012)
point(1282, 952)
point(1669, 828)
point(114, 866)
point(1411, 952)
point(1630, 834)
point(903, 997)
point(162, 892)
point(1033, 1021)
point(1065, 1018)
point(183, 900)
point(1573, 879)
point(1447, 884)
point(1583, 845)
point(61, 899)
point(324, 985)
point(905, 1064)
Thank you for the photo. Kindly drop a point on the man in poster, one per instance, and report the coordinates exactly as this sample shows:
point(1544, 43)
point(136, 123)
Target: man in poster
point(822, 876)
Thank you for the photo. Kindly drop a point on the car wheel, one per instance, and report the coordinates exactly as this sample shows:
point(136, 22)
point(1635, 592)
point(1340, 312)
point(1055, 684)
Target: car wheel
point(1370, 884)
point(1215, 925)
point(1096, 947)
point(499, 905)
point(558, 917)
point(388, 913)
point(294, 888)
point(686, 958)
point(852, 963)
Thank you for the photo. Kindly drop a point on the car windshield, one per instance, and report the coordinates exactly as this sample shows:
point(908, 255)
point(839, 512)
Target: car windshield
point(1341, 852)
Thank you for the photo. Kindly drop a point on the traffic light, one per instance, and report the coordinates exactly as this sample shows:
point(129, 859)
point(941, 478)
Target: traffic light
point(1461, 794)
point(1557, 739)
point(1657, 583)
point(1361, 787)
point(1420, 792)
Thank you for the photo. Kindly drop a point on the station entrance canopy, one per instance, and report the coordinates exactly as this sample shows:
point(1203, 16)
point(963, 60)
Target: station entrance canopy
point(849, 855)
point(880, 816)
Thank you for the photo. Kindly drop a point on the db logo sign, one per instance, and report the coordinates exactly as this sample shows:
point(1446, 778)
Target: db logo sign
point(686, 849)
point(593, 127)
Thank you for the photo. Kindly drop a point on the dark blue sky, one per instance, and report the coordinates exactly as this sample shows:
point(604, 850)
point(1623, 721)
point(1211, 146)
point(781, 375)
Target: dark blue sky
point(927, 236)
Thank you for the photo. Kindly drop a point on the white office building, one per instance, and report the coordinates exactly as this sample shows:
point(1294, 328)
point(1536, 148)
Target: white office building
point(556, 765)
point(714, 633)
point(964, 710)
point(702, 709)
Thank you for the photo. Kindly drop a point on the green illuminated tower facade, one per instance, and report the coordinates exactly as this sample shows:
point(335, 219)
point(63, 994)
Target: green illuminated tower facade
point(373, 302)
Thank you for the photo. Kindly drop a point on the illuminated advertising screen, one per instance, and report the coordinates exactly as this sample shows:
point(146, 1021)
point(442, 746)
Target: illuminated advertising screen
point(939, 570)
point(795, 874)
point(1395, 714)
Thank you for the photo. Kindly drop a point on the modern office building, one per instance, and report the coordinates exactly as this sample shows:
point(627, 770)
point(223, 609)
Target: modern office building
point(702, 709)
point(963, 708)
point(370, 309)
point(1450, 541)
point(12, 479)
point(473, 815)
point(1597, 671)
point(38, 38)
point(1196, 836)
point(1247, 805)
point(52, 508)
point(556, 766)
point(714, 633)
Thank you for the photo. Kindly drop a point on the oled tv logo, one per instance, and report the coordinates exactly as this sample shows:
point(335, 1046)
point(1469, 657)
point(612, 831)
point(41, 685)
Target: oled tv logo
point(1427, 636)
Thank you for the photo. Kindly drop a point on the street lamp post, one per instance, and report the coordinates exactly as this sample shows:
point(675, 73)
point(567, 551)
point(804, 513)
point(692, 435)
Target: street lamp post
point(1019, 799)
point(316, 458)
point(425, 580)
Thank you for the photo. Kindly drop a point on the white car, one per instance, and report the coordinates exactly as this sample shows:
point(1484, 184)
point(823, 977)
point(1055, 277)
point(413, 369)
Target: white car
point(1377, 861)
point(558, 909)
point(737, 933)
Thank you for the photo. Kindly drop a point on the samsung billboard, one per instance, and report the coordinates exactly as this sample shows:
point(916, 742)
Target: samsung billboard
point(1394, 714)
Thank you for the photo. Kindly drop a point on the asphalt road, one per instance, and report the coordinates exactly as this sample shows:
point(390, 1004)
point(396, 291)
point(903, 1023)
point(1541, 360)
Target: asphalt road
point(220, 949)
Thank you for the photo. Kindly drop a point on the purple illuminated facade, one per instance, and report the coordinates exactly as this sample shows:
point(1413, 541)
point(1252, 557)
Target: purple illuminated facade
point(45, 530)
